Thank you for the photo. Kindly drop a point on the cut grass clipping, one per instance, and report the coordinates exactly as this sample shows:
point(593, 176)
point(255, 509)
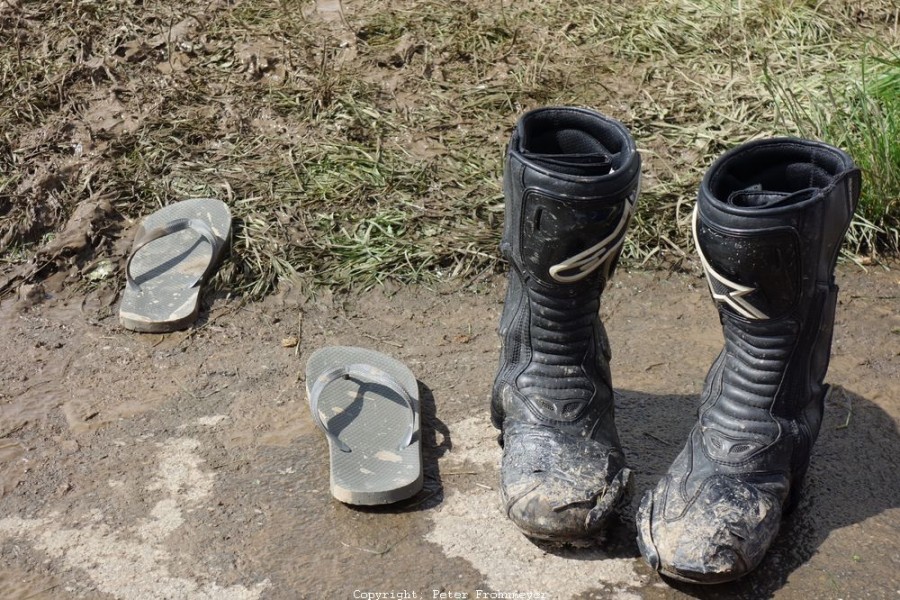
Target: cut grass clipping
point(361, 142)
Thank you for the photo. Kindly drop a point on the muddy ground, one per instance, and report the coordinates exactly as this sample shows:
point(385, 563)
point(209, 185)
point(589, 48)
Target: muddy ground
point(187, 465)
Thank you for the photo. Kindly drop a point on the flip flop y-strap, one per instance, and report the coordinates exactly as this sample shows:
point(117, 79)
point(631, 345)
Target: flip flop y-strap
point(365, 373)
point(169, 228)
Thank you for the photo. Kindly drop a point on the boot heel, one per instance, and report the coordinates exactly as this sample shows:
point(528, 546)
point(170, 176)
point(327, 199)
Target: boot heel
point(793, 499)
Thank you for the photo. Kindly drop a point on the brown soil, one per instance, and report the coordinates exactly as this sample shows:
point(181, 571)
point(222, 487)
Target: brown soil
point(186, 465)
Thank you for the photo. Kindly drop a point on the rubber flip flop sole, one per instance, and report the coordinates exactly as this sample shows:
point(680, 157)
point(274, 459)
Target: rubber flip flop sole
point(367, 424)
point(166, 269)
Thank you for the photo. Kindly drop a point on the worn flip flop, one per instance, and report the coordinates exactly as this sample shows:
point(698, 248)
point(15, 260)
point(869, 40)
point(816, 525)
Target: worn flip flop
point(367, 404)
point(175, 250)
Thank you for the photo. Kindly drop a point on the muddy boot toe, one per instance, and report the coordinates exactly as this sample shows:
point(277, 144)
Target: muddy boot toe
point(558, 488)
point(721, 534)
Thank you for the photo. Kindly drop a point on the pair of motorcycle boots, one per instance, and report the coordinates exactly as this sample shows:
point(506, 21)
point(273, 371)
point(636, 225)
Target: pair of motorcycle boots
point(768, 223)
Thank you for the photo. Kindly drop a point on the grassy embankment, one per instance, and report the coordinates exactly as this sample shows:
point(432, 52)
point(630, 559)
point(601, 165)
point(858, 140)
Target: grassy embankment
point(364, 142)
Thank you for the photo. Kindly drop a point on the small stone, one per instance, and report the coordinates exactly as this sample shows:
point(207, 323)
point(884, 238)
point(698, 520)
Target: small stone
point(289, 342)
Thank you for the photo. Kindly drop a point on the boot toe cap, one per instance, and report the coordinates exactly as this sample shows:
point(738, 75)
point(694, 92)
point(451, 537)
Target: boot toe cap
point(559, 488)
point(720, 535)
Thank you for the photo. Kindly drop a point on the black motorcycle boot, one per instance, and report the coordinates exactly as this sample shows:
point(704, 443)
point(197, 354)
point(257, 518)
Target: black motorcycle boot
point(570, 182)
point(768, 224)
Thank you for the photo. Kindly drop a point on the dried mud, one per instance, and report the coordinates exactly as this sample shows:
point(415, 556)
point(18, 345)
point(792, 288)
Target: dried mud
point(186, 465)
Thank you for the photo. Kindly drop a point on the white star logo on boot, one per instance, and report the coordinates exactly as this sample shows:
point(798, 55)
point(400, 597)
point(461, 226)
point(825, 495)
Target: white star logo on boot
point(729, 292)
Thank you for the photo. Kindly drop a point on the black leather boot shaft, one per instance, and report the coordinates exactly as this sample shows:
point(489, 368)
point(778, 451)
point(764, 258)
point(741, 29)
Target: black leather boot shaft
point(768, 225)
point(571, 183)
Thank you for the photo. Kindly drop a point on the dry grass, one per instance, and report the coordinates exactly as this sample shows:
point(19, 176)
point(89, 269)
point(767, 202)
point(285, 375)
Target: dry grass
point(359, 142)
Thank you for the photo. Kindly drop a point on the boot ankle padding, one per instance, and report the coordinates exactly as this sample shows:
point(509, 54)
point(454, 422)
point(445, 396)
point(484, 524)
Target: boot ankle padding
point(779, 165)
point(575, 189)
point(571, 141)
point(817, 188)
point(768, 212)
point(743, 388)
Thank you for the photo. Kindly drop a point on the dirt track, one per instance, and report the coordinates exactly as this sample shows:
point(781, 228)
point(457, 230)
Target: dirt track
point(187, 466)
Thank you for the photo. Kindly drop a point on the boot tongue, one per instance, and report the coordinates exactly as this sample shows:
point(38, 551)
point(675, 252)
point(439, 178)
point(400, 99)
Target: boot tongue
point(756, 197)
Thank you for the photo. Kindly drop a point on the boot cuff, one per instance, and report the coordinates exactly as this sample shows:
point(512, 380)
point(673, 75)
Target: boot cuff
point(573, 141)
point(774, 176)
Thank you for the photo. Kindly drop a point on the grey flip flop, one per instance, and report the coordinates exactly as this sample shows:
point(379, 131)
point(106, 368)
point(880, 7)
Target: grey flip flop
point(367, 404)
point(175, 250)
